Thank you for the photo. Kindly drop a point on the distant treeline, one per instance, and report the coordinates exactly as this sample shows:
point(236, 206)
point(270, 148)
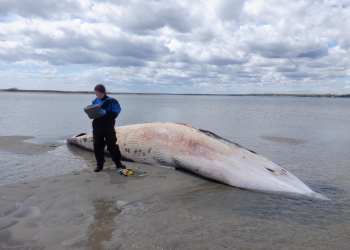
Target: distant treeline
point(149, 93)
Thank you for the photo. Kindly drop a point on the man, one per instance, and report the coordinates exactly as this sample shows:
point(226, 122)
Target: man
point(103, 129)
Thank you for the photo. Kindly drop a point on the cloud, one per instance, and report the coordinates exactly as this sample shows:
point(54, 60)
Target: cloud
point(228, 10)
point(76, 42)
point(159, 14)
point(42, 8)
point(195, 46)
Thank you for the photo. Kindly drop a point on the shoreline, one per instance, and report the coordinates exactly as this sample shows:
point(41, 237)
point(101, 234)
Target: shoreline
point(14, 90)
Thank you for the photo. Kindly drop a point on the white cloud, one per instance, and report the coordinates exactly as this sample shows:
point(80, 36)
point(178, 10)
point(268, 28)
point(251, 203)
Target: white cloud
point(195, 46)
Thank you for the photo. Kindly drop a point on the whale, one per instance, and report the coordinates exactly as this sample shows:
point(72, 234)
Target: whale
point(204, 153)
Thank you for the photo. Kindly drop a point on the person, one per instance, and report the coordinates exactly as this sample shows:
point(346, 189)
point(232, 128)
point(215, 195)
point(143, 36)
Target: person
point(103, 129)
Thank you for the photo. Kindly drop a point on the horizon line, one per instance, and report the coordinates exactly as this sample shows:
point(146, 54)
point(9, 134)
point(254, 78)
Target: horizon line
point(170, 93)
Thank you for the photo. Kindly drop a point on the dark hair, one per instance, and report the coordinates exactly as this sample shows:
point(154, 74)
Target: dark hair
point(100, 88)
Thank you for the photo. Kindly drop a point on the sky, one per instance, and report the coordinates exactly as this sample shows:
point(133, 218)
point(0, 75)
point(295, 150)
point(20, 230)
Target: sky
point(199, 46)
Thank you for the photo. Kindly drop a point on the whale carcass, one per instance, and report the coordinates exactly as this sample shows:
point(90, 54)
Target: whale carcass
point(204, 153)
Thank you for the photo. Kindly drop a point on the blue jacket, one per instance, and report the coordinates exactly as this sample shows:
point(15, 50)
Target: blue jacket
point(112, 108)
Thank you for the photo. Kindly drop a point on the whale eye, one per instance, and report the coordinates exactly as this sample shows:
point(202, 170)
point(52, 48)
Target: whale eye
point(271, 170)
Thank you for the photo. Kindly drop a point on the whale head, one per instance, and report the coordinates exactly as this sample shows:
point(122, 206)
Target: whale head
point(255, 172)
point(82, 140)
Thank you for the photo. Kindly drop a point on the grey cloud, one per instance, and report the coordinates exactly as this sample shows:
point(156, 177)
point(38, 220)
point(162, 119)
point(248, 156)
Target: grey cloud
point(69, 39)
point(287, 68)
point(137, 16)
point(229, 9)
point(298, 74)
point(42, 8)
point(187, 56)
point(315, 53)
point(152, 15)
point(81, 56)
point(71, 56)
point(222, 60)
point(270, 50)
point(283, 49)
point(147, 50)
point(74, 47)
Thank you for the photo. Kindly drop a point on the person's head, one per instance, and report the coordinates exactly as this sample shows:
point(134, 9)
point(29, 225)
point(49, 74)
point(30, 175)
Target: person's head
point(100, 91)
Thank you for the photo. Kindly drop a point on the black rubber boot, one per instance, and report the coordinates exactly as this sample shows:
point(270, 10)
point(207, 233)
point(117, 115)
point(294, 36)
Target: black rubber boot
point(120, 166)
point(98, 169)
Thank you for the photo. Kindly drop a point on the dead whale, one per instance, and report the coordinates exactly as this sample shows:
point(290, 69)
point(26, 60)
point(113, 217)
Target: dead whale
point(204, 153)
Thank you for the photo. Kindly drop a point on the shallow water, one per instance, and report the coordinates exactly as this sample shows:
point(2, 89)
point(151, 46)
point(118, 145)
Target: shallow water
point(308, 136)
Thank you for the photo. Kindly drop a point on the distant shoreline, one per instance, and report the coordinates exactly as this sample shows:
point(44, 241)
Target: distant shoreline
point(15, 90)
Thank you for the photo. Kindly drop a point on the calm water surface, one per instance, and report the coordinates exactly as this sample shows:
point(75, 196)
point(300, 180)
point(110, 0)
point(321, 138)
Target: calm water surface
point(308, 136)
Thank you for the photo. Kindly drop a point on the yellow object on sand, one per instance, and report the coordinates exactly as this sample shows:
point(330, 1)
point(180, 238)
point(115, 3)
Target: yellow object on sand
point(126, 172)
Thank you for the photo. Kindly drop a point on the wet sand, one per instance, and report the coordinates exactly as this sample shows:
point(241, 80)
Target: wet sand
point(285, 140)
point(97, 211)
point(164, 209)
point(20, 145)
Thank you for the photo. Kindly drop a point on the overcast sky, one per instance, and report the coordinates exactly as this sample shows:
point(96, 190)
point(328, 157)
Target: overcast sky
point(208, 46)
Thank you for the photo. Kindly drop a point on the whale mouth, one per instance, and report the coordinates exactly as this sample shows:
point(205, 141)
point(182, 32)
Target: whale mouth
point(81, 134)
point(73, 139)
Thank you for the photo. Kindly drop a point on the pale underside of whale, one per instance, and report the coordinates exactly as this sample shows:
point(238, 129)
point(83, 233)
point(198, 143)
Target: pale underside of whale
point(204, 153)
